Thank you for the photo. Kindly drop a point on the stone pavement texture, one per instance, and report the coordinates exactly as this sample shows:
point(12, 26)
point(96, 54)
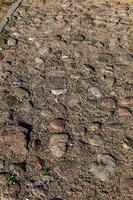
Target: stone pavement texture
point(66, 101)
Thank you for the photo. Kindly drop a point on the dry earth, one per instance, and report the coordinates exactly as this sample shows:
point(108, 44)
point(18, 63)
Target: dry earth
point(66, 101)
point(4, 6)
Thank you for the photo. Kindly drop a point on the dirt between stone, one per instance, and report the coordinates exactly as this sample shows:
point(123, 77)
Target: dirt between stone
point(66, 101)
point(4, 7)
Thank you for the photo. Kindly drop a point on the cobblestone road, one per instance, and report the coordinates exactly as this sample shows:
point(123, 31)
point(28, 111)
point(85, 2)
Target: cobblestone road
point(66, 101)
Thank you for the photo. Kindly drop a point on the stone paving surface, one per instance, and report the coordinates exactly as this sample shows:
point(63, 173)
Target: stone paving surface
point(66, 101)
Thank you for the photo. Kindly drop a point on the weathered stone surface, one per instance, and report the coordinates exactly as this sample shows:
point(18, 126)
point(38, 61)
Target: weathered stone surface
point(13, 142)
point(58, 145)
point(95, 91)
point(127, 186)
point(40, 187)
point(110, 81)
point(12, 42)
point(122, 111)
point(129, 183)
point(96, 140)
point(44, 51)
point(108, 103)
point(127, 58)
point(21, 93)
point(104, 168)
point(58, 92)
point(5, 117)
point(127, 101)
point(58, 125)
point(68, 172)
point(39, 61)
point(94, 127)
point(3, 180)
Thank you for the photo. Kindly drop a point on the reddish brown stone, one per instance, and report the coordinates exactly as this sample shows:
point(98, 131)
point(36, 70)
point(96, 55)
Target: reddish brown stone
point(129, 183)
point(126, 101)
point(58, 125)
point(58, 144)
point(94, 127)
point(13, 141)
point(122, 111)
point(108, 103)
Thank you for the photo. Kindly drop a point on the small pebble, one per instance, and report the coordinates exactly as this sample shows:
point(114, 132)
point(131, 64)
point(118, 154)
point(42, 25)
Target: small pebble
point(31, 39)
point(40, 188)
point(73, 102)
point(16, 35)
point(26, 107)
point(58, 91)
point(92, 103)
point(129, 141)
point(94, 127)
point(110, 81)
point(105, 57)
point(39, 61)
point(95, 91)
point(64, 56)
point(20, 92)
point(11, 42)
point(44, 51)
point(125, 146)
point(115, 125)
